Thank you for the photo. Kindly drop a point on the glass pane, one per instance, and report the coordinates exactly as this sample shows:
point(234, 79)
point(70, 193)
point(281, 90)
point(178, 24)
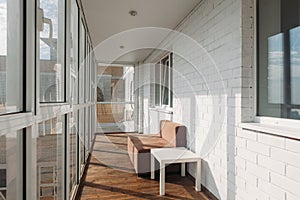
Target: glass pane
point(115, 84)
point(157, 84)
point(86, 132)
point(49, 158)
point(165, 81)
point(74, 52)
point(82, 65)
point(9, 163)
point(52, 42)
point(275, 69)
point(295, 65)
point(81, 136)
point(278, 59)
point(73, 149)
point(115, 89)
point(10, 57)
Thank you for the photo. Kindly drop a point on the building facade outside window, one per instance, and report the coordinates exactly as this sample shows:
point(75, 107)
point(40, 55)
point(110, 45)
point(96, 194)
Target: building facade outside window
point(52, 52)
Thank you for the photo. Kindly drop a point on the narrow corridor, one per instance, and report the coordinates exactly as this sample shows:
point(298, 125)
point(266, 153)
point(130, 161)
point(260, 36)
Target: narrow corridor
point(110, 175)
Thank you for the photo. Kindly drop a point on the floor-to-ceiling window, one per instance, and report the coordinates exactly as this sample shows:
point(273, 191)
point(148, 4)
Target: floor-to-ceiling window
point(41, 111)
point(73, 118)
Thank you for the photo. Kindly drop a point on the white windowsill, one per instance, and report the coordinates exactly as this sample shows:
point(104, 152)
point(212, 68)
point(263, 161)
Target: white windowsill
point(280, 127)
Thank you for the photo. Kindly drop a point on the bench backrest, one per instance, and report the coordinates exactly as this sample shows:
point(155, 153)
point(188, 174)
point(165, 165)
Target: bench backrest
point(173, 132)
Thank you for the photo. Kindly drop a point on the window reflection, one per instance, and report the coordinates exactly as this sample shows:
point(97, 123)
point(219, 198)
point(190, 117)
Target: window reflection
point(275, 69)
point(279, 59)
point(9, 166)
point(49, 157)
point(52, 52)
point(295, 65)
point(10, 57)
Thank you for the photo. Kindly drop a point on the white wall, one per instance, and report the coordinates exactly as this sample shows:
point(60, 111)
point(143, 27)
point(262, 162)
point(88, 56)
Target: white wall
point(267, 166)
point(214, 87)
point(207, 86)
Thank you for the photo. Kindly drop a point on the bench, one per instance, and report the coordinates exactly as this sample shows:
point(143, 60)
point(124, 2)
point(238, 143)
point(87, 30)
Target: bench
point(138, 146)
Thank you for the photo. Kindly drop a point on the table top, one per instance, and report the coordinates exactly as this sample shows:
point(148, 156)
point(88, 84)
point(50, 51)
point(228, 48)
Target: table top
point(174, 155)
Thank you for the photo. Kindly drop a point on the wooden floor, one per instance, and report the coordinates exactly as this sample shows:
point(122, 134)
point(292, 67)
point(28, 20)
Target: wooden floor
point(110, 175)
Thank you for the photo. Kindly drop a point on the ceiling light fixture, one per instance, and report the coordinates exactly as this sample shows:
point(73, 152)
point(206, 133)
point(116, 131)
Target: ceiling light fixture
point(133, 13)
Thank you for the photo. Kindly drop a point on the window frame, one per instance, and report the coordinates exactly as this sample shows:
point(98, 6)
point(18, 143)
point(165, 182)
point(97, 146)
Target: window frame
point(66, 72)
point(287, 105)
point(22, 56)
point(159, 100)
point(281, 127)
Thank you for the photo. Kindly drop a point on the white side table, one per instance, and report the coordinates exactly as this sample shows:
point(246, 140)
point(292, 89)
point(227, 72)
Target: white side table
point(174, 155)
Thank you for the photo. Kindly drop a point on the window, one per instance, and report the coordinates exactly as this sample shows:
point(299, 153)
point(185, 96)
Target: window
point(74, 52)
point(115, 95)
point(82, 63)
point(279, 58)
point(10, 161)
point(10, 56)
point(163, 82)
point(51, 51)
point(49, 158)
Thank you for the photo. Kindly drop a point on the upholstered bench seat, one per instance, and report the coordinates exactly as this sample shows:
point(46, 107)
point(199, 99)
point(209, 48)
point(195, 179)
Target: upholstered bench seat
point(171, 135)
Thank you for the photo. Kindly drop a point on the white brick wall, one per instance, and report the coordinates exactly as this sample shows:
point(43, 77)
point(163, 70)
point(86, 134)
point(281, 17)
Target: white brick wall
point(277, 173)
point(213, 90)
point(207, 85)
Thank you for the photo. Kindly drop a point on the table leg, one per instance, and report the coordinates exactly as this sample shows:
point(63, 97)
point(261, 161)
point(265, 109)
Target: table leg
point(198, 176)
point(162, 179)
point(152, 167)
point(182, 169)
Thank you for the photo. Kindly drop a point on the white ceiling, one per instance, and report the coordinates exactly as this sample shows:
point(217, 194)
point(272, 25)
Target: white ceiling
point(107, 18)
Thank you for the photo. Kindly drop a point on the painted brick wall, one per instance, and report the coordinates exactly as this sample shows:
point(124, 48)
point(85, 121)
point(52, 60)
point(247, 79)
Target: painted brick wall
point(267, 166)
point(207, 87)
point(213, 86)
point(213, 90)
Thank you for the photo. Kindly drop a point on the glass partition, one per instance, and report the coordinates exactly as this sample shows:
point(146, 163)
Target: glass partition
point(115, 103)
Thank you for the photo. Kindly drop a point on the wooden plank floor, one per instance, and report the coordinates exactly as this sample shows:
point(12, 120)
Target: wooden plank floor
point(110, 175)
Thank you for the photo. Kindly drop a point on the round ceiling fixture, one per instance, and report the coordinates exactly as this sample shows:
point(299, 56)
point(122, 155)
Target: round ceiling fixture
point(133, 13)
